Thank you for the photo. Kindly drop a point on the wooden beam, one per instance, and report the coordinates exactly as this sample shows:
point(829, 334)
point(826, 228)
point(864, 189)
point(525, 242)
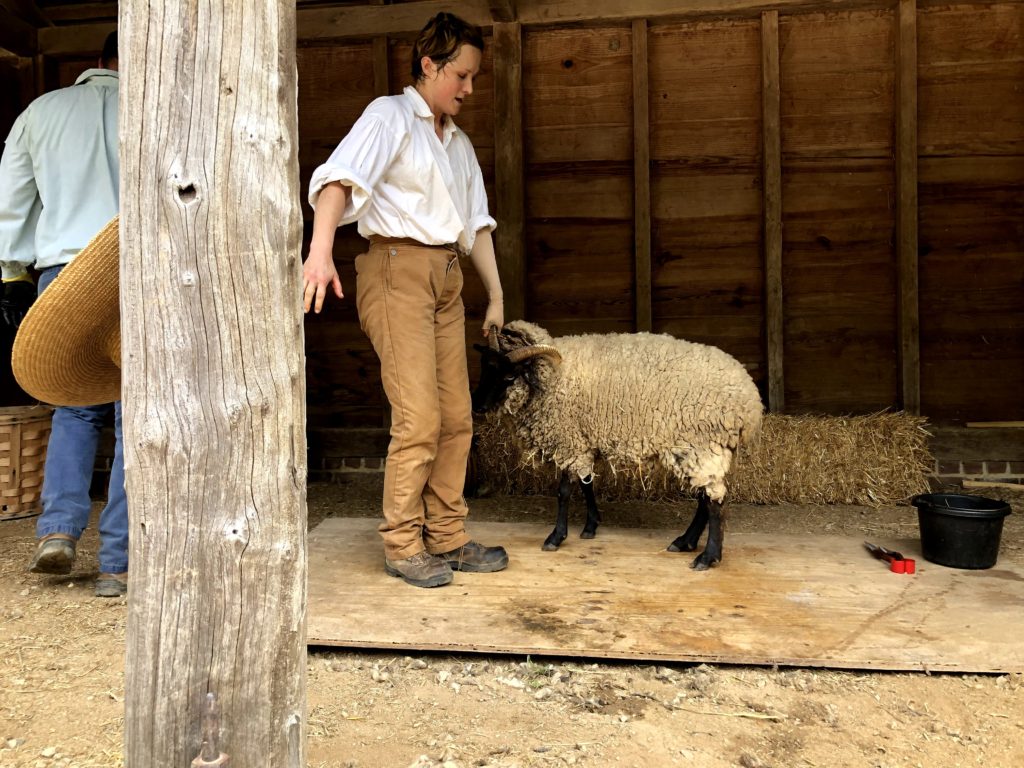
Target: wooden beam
point(43, 74)
point(27, 11)
point(16, 35)
point(362, 20)
point(502, 10)
point(510, 236)
point(641, 179)
point(906, 207)
point(994, 485)
point(78, 13)
point(317, 22)
point(381, 83)
point(771, 141)
point(213, 382)
point(564, 11)
point(78, 40)
point(381, 66)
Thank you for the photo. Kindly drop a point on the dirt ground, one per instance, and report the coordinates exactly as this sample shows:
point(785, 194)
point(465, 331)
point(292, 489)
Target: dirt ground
point(62, 683)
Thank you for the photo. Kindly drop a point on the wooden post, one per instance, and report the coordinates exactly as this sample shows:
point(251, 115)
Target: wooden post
point(41, 73)
point(510, 236)
point(641, 179)
point(906, 207)
point(381, 74)
point(382, 87)
point(213, 382)
point(772, 196)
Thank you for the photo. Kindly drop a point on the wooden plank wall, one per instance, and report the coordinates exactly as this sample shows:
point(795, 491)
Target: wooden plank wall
point(578, 135)
point(838, 208)
point(705, 103)
point(859, 108)
point(342, 373)
point(971, 171)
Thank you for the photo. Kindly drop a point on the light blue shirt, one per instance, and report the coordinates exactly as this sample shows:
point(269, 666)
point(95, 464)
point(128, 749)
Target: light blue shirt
point(59, 174)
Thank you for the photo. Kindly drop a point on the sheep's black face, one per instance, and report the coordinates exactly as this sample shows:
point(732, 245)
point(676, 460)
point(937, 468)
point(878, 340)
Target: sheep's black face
point(496, 375)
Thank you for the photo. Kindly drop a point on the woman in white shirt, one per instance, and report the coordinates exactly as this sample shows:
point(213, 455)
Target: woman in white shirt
point(411, 180)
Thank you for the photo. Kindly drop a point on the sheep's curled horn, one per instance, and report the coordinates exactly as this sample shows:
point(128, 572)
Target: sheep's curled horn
point(492, 338)
point(536, 350)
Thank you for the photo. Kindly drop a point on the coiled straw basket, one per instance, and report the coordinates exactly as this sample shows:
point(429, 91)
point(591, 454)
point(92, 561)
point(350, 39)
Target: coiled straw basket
point(24, 433)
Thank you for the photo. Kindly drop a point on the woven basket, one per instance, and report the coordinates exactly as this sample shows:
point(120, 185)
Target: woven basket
point(24, 432)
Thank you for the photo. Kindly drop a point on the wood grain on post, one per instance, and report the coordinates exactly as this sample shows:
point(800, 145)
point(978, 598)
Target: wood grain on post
point(641, 178)
point(510, 235)
point(213, 381)
point(772, 192)
point(906, 207)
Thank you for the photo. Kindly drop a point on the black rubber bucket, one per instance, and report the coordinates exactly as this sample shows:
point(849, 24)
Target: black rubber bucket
point(960, 531)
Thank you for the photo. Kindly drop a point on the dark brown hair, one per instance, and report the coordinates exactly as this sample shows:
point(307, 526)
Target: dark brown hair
point(441, 39)
point(109, 53)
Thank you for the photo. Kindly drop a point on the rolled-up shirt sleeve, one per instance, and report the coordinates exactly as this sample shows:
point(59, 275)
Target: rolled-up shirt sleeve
point(359, 161)
point(479, 214)
point(19, 204)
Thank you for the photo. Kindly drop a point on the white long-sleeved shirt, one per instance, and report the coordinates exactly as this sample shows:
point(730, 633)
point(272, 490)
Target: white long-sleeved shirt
point(59, 174)
point(406, 183)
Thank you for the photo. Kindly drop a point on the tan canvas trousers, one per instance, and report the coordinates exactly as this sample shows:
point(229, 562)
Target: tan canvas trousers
point(410, 306)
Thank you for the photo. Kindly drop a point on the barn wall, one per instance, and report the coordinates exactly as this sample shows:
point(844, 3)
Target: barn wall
point(848, 338)
point(971, 144)
point(578, 143)
point(838, 117)
point(838, 177)
point(705, 127)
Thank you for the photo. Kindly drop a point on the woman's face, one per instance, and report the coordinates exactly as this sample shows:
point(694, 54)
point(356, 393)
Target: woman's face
point(445, 89)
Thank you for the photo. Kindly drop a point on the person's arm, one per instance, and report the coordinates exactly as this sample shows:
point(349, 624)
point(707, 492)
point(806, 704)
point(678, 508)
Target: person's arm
point(19, 206)
point(340, 192)
point(486, 265)
point(319, 271)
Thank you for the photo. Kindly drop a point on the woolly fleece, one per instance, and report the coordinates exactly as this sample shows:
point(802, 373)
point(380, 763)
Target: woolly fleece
point(635, 399)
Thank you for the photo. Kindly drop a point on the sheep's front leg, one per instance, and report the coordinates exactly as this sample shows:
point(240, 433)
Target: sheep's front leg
point(712, 553)
point(593, 515)
point(689, 540)
point(557, 536)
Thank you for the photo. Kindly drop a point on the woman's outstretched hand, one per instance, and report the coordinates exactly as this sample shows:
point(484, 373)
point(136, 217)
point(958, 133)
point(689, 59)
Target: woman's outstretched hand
point(318, 273)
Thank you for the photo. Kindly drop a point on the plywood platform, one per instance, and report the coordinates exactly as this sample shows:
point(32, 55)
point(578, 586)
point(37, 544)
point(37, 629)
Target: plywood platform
point(815, 601)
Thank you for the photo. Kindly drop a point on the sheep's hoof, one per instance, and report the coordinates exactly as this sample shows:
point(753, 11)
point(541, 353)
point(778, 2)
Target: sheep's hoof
point(682, 545)
point(703, 561)
point(585, 534)
point(551, 544)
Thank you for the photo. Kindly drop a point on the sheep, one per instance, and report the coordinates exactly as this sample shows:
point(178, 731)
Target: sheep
point(637, 400)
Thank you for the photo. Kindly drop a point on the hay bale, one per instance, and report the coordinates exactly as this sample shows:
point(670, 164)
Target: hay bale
point(877, 459)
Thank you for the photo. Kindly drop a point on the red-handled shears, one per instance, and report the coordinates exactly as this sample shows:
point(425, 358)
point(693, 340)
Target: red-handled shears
point(897, 562)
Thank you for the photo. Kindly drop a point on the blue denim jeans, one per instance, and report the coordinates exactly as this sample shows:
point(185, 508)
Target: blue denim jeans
point(70, 458)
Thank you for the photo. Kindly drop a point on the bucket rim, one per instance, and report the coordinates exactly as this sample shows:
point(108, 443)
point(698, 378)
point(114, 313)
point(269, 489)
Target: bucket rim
point(932, 502)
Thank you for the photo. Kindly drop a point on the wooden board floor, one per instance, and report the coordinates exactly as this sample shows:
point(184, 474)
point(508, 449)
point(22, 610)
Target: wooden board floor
point(814, 601)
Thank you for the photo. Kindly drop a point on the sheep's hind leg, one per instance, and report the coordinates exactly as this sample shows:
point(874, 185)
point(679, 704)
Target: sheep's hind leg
point(593, 515)
point(557, 536)
point(712, 553)
point(689, 540)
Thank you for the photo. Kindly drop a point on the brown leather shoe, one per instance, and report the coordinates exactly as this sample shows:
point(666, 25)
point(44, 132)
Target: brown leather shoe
point(112, 585)
point(476, 558)
point(55, 554)
point(421, 570)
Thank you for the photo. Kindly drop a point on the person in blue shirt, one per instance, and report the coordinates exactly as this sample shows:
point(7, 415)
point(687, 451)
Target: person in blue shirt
point(59, 186)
